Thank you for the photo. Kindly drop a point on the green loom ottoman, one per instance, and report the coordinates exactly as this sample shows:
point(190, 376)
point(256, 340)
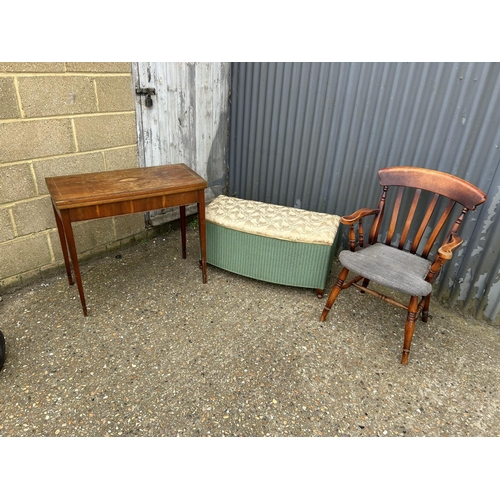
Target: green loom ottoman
point(283, 245)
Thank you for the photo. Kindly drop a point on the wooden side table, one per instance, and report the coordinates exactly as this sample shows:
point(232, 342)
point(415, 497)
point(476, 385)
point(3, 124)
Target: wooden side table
point(106, 194)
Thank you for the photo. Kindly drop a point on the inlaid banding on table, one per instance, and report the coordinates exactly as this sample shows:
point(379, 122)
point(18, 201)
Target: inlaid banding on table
point(132, 206)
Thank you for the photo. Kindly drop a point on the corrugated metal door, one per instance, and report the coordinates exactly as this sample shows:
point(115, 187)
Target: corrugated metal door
point(187, 123)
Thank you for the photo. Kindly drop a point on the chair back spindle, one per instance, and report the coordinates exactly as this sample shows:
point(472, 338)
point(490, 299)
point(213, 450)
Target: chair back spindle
point(378, 218)
point(425, 223)
point(409, 219)
point(395, 214)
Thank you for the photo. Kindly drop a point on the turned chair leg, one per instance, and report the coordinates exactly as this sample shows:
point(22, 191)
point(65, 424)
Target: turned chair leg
point(334, 293)
point(425, 310)
point(366, 282)
point(409, 328)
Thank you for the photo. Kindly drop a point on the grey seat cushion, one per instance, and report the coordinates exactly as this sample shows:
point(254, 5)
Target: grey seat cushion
point(390, 267)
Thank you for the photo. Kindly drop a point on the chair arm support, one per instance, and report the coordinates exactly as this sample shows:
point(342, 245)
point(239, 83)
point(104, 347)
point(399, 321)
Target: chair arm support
point(350, 220)
point(358, 214)
point(444, 253)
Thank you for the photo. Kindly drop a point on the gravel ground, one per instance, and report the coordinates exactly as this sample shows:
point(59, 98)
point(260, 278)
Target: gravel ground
point(162, 354)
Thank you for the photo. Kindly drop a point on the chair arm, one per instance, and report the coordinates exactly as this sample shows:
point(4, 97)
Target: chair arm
point(358, 214)
point(446, 250)
point(444, 253)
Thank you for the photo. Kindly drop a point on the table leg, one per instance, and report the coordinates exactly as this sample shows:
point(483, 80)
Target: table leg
point(182, 210)
point(74, 257)
point(64, 244)
point(203, 233)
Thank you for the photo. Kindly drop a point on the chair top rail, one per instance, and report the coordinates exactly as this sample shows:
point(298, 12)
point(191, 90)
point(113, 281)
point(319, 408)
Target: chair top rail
point(432, 180)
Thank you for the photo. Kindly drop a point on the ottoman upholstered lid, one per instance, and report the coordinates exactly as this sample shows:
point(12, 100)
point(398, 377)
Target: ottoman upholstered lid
point(273, 221)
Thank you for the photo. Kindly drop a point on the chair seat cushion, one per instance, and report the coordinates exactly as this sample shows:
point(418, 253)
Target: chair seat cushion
point(390, 267)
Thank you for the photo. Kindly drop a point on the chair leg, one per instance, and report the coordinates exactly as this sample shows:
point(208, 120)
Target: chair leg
point(425, 310)
point(334, 293)
point(409, 328)
point(366, 282)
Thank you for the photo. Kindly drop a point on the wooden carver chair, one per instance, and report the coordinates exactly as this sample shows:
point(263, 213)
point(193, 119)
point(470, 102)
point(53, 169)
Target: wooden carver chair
point(404, 265)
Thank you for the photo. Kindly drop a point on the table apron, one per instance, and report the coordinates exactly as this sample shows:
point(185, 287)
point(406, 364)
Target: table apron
point(100, 210)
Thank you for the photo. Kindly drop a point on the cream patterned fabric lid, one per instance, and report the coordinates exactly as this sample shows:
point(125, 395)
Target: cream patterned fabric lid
point(273, 221)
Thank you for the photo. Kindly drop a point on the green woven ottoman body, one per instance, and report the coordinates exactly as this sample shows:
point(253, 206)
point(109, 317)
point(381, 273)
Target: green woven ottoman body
point(282, 245)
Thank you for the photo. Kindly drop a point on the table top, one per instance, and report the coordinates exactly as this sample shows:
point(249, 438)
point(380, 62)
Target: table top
point(79, 190)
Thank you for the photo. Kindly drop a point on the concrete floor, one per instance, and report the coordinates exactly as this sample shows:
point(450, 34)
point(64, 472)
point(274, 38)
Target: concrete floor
point(162, 354)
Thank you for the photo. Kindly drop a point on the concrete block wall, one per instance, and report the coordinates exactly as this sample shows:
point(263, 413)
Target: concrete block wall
point(57, 119)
